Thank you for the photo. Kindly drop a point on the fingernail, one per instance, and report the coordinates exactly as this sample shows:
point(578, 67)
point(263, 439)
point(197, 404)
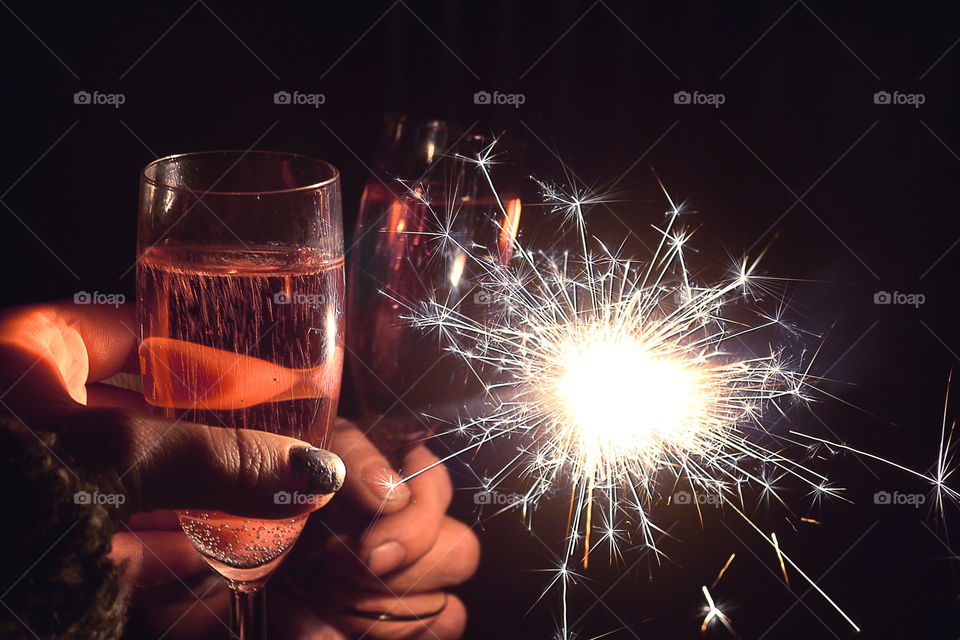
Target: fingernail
point(383, 482)
point(323, 470)
point(386, 558)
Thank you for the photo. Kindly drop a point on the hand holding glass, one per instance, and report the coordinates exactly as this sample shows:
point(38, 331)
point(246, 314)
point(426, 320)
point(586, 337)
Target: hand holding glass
point(240, 287)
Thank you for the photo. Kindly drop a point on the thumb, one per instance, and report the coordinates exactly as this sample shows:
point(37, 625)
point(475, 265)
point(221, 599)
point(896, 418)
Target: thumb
point(166, 464)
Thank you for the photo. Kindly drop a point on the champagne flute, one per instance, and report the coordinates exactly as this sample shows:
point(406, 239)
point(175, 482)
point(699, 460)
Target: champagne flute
point(400, 374)
point(240, 287)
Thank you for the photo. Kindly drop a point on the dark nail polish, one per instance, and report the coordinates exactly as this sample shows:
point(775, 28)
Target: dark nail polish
point(324, 470)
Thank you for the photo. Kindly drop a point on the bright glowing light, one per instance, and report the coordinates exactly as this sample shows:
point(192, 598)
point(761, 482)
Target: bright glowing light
point(617, 396)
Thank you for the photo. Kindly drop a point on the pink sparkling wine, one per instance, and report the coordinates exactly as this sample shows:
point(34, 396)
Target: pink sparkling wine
point(242, 337)
point(400, 261)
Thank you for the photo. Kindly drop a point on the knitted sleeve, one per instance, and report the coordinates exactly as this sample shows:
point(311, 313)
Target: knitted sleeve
point(56, 580)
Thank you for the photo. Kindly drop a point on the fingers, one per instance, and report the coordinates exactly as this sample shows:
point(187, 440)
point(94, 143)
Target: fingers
point(50, 352)
point(451, 561)
point(400, 539)
point(449, 624)
point(293, 619)
point(372, 484)
point(72, 345)
point(155, 558)
point(174, 464)
point(162, 572)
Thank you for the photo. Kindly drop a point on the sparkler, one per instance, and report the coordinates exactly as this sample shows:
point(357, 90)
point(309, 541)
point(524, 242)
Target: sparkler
point(621, 379)
point(944, 467)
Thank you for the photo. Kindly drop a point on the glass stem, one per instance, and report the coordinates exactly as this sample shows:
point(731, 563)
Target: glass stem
point(248, 611)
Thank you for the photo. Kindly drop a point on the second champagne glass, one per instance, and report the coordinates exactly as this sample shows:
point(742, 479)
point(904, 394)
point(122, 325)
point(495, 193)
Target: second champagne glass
point(240, 289)
point(426, 206)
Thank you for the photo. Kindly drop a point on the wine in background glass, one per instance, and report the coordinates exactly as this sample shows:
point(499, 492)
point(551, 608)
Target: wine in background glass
point(240, 289)
point(402, 378)
point(400, 374)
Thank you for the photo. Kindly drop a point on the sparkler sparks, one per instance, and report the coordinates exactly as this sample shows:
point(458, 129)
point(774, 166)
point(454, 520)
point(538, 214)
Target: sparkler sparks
point(715, 614)
point(619, 370)
point(723, 570)
point(621, 378)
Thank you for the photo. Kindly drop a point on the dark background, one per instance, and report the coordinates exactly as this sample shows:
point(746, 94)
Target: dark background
point(856, 197)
